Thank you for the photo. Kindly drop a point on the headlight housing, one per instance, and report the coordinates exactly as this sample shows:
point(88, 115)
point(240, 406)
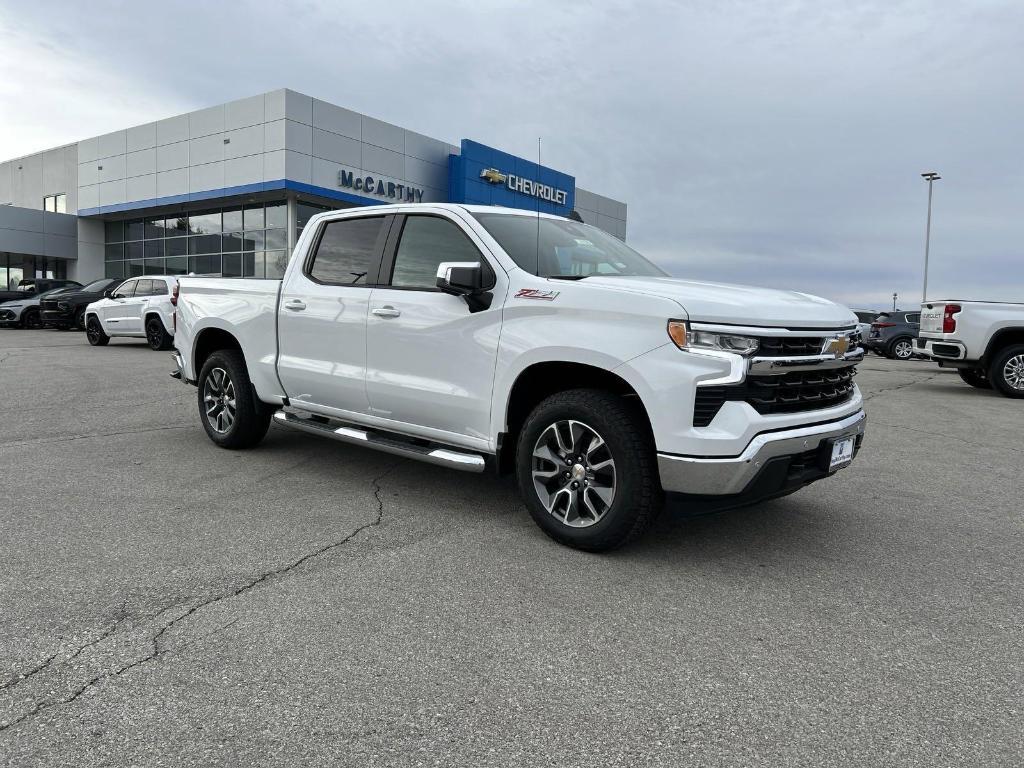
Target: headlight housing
point(62, 305)
point(686, 338)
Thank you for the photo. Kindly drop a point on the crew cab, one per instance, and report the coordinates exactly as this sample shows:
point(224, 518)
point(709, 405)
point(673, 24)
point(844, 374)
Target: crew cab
point(983, 340)
point(472, 336)
point(138, 308)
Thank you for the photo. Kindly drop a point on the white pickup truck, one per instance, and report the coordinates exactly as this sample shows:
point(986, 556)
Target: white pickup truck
point(983, 340)
point(474, 336)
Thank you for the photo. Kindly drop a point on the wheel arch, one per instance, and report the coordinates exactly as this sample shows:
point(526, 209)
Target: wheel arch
point(543, 379)
point(1004, 337)
point(210, 340)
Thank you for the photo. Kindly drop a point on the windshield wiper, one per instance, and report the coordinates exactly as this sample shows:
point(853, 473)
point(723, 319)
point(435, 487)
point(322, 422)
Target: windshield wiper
point(566, 277)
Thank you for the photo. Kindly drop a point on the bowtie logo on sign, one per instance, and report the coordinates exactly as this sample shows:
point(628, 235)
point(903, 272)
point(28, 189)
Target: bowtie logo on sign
point(525, 186)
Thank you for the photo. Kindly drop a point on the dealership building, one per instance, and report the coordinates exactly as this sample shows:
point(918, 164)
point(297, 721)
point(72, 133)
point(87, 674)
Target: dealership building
point(227, 190)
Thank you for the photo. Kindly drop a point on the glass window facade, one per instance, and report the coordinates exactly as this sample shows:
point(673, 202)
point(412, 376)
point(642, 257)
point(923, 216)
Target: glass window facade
point(235, 241)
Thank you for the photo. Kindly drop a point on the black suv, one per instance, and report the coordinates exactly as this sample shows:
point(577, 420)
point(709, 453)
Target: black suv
point(893, 334)
point(67, 310)
point(33, 286)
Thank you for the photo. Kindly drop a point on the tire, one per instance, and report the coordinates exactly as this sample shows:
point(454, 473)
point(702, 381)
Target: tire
point(589, 517)
point(225, 379)
point(80, 320)
point(901, 348)
point(1006, 371)
point(975, 377)
point(31, 320)
point(158, 338)
point(94, 332)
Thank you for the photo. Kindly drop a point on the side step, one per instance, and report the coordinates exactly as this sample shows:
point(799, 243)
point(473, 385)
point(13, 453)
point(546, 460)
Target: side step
point(445, 457)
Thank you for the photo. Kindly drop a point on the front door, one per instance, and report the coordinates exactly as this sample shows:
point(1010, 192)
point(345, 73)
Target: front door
point(322, 317)
point(121, 313)
point(430, 358)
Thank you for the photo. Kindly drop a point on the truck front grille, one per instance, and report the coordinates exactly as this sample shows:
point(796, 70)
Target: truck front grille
point(800, 346)
point(792, 392)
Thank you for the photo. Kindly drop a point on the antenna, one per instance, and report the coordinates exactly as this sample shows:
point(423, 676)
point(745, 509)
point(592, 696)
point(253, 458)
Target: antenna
point(536, 182)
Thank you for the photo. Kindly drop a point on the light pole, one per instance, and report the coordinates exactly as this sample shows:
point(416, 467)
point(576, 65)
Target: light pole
point(930, 177)
point(894, 301)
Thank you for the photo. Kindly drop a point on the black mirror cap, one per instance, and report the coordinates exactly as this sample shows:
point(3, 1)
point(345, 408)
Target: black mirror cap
point(460, 278)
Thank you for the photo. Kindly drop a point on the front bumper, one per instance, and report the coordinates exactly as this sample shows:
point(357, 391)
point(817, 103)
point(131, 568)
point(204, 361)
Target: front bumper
point(737, 475)
point(10, 317)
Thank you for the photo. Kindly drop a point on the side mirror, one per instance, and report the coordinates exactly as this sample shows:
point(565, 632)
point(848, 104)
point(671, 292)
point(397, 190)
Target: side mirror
point(460, 278)
point(109, 293)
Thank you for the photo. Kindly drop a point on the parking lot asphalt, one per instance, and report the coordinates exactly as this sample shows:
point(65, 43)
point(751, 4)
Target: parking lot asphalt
point(165, 602)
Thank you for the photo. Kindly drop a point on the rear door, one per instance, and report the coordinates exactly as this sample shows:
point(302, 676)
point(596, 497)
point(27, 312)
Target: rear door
point(430, 357)
point(322, 316)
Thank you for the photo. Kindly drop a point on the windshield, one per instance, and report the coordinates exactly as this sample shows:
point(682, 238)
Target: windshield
point(99, 285)
point(562, 248)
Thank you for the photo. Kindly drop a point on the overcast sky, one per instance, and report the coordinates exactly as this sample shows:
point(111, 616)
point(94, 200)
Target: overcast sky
point(773, 143)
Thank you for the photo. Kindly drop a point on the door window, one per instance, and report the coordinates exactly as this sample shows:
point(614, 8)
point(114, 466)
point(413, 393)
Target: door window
point(347, 252)
point(914, 319)
point(159, 288)
point(426, 242)
point(125, 291)
point(144, 288)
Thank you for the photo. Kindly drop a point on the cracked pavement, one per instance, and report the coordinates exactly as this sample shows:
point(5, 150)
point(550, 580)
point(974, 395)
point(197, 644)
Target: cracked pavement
point(164, 602)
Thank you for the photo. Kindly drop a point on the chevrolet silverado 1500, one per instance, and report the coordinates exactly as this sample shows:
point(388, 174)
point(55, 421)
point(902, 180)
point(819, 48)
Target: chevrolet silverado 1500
point(475, 336)
point(983, 340)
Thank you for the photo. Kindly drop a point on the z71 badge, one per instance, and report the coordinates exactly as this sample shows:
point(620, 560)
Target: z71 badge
point(533, 293)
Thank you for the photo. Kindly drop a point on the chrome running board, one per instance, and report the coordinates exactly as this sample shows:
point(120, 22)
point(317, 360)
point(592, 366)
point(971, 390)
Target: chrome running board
point(432, 454)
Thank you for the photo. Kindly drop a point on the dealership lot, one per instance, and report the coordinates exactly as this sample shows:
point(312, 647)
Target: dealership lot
point(168, 602)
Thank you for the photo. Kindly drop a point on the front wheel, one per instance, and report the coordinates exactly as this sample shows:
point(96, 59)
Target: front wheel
point(1007, 371)
point(159, 340)
point(31, 320)
point(231, 414)
point(94, 332)
point(80, 319)
point(587, 470)
point(975, 377)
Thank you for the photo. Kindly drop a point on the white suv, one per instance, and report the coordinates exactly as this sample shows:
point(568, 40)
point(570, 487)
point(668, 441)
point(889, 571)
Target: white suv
point(139, 308)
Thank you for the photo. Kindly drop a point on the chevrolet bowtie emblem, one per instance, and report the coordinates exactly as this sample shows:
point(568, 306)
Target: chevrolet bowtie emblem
point(837, 346)
point(493, 175)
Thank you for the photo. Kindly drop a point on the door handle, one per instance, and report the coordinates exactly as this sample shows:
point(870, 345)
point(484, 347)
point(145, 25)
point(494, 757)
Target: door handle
point(387, 311)
point(296, 305)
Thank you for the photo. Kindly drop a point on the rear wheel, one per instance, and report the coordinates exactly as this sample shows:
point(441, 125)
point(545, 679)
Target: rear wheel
point(157, 337)
point(901, 349)
point(975, 377)
point(31, 319)
point(1006, 371)
point(94, 332)
point(586, 467)
point(231, 414)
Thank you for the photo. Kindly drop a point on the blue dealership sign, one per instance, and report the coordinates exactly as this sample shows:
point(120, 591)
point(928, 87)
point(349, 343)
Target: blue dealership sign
point(483, 175)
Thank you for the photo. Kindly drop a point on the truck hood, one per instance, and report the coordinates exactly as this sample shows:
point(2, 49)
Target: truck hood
point(737, 304)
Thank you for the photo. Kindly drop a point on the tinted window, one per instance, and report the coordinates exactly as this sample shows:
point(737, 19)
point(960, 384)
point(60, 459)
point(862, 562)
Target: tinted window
point(914, 318)
point(347, 251)
point(562, 248)
point(99, 285)
point(125, 291)
point(426, 242)
point(144, 288)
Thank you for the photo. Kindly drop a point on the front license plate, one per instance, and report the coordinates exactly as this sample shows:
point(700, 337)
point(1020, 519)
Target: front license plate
point(842, 453)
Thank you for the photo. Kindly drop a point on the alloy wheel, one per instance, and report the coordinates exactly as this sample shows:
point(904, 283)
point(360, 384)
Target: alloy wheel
point(1013, 372)
point(219, 399)
point(33, 321)
point(93, 331)
point(154, 334)
point(574, 473)
point(904, 350)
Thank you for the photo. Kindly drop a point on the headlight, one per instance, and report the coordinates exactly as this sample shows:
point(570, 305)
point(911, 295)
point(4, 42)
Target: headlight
point(62, 305)
point(685, 338)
